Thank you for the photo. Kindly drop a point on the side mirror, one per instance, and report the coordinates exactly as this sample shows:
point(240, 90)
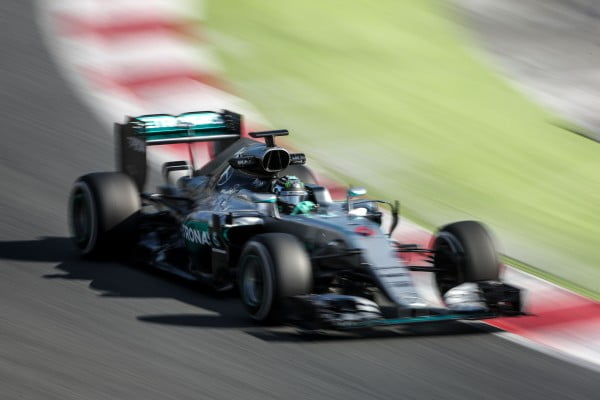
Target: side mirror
point(266, 202)
point(356, 192)
point(263, 198)
point(257, 197)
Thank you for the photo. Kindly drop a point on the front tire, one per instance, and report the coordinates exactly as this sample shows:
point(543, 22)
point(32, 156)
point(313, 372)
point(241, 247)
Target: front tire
point(103, 212)
point(465, 252)
point(273, 267)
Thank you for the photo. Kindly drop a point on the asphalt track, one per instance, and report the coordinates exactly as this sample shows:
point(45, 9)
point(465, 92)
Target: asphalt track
point(71, 329)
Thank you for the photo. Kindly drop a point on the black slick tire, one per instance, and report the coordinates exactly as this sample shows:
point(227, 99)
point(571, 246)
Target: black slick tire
point(272, 268)
point(465, 252)
point(103, 212)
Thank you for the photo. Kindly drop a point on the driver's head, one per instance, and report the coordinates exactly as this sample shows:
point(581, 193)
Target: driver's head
point(290, 190)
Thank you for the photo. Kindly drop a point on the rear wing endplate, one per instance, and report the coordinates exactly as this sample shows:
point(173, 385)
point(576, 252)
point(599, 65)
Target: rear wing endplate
point(223, 128)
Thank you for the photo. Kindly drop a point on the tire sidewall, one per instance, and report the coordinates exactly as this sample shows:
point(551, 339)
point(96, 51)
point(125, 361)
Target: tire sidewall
point(258, 250)
point(114, 205)
point(87, 196)
point(286, 269)
point(473, 249)
point(456, 248)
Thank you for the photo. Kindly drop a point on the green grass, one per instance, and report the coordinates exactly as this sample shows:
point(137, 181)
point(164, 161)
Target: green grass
point(389, 94)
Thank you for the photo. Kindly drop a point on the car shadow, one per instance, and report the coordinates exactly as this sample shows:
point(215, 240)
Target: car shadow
point(114, 279)
point(446, 328)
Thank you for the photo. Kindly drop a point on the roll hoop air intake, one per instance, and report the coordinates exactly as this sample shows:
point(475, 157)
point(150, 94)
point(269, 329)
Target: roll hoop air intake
point(270, 159)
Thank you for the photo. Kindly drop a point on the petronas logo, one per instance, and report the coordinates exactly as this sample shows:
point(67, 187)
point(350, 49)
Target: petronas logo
point(196, 236)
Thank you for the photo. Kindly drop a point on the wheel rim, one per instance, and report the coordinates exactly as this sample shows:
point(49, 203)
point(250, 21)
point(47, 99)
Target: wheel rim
point(447, 259)
point(81, 219)
point(253, 287)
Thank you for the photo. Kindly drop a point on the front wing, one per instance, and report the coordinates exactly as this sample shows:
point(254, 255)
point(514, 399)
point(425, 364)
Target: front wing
point(343, 312)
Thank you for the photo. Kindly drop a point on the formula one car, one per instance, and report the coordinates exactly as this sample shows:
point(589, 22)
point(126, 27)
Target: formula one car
point(255, 218)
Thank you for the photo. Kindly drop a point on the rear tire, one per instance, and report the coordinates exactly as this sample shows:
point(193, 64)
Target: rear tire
point(272, 268)
point(465, 252)
point(103, 212)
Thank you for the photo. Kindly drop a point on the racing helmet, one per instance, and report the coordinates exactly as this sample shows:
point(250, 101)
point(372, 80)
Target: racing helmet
point(290, 190)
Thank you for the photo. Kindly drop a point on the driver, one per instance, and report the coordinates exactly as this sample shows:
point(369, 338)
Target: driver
point(292, 195)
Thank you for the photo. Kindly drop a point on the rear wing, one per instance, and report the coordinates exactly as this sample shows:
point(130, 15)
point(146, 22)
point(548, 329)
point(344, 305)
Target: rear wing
point(223, 128)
